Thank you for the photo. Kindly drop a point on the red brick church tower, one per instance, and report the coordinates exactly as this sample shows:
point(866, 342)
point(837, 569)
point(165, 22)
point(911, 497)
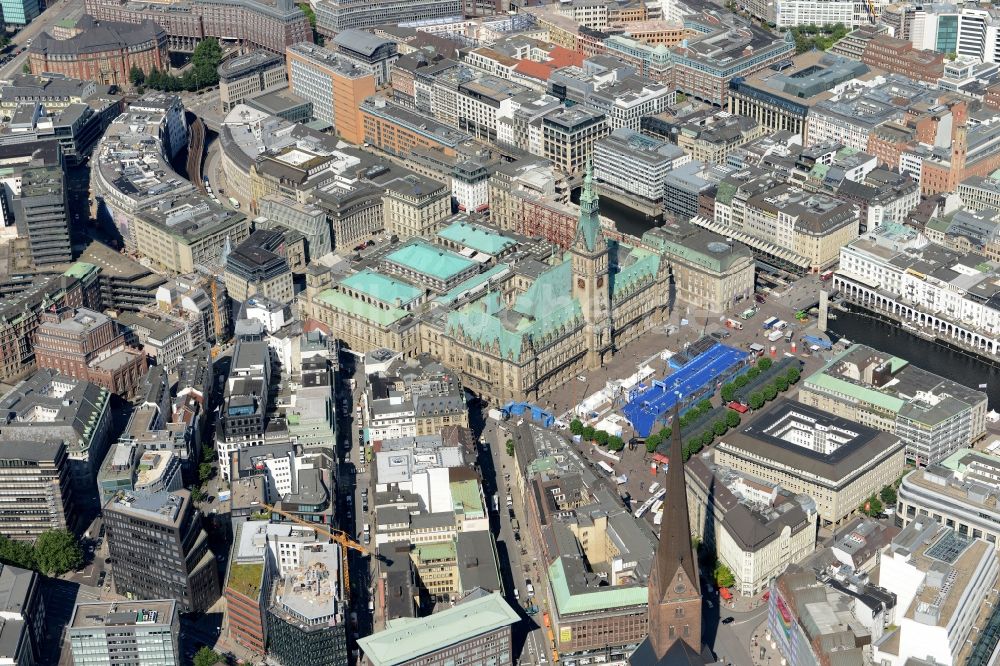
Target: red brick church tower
point(674, 589)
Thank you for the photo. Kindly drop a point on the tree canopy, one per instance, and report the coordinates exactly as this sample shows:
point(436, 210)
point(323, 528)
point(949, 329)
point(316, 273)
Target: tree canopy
point(724, 576)
point(206, 656)
point(57, 551)
point(202, 73)
point(17, 553)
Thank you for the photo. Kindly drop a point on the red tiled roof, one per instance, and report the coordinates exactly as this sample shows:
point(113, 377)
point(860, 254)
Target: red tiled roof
point(560, 56)
point(536, 70)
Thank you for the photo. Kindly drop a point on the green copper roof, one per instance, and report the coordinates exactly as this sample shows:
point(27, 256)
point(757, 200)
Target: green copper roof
point(359, 308)
point(545, 310)
point(834, 384)
point(465, 496)
point(589, 224)
point(382, 287)
point(405, 639)
point(468, 285)
point(427, 259)
point(954, 461)
point(477, 237)
point(638, 267)
point(598, 599)
point(80, 269)
point(439, 550)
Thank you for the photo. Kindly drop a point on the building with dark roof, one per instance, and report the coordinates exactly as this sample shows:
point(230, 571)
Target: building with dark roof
point(38, 475)
point(22, 301)
point(780, 97)
point(282, 103)
point(839, 463)
point(376, 54)
point(103, 51)
point(258, 266)
point(53, 409)
point(126, 285)
point(250, 74)
point(159, 549)
point(42, 213)
point(269, 24)
point(22, 616)
point(755, 528)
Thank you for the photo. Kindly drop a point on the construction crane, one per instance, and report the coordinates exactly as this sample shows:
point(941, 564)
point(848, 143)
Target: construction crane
point(214, 284)
point(871, 12)
point(338, 536)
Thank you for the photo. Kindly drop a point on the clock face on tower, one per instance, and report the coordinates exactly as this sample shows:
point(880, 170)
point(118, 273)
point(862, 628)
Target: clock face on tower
point(679, 588)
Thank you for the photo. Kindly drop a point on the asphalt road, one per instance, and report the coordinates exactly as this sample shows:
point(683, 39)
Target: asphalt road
point(731, 642)
point(496, 465)
point(205, 104)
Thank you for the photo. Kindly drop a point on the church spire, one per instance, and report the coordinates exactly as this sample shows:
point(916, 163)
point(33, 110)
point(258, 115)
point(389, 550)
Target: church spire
point(588, 227)
point(675, 534)
point(674, 588)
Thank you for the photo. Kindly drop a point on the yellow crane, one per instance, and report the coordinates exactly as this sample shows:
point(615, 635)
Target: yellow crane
point(339, 536)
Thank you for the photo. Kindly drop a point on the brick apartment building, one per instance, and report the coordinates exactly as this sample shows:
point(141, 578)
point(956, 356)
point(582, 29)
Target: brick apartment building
point(103, 51)
point(88, 345)
point(269, 26)
point(899, 56)
point(21, 306)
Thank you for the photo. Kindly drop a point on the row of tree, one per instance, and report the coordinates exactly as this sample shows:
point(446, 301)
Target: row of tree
point(206, 470)
point(769, 392)
point(53, 553)
point(311, 15)
point(203, 72)
point(687, 418)
point(766, 393)
point(591, 434)
point(729, 389)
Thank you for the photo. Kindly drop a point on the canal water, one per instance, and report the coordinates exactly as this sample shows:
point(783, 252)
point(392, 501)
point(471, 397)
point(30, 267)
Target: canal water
point(627, 220)
point(895, 340)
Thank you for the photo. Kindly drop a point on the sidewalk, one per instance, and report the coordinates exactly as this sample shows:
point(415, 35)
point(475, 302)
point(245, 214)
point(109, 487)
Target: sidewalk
point(763, 650)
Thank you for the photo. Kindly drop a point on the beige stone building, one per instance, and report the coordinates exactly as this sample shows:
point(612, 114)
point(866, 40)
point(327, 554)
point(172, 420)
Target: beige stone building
point(186, 233)
point(757, 529)
point(802, 231)
point(250, 74)
point(836, 462)
point(522, 327)
point(711, 139)
point(569, 137)
point(710, 272)
point(415, 206)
